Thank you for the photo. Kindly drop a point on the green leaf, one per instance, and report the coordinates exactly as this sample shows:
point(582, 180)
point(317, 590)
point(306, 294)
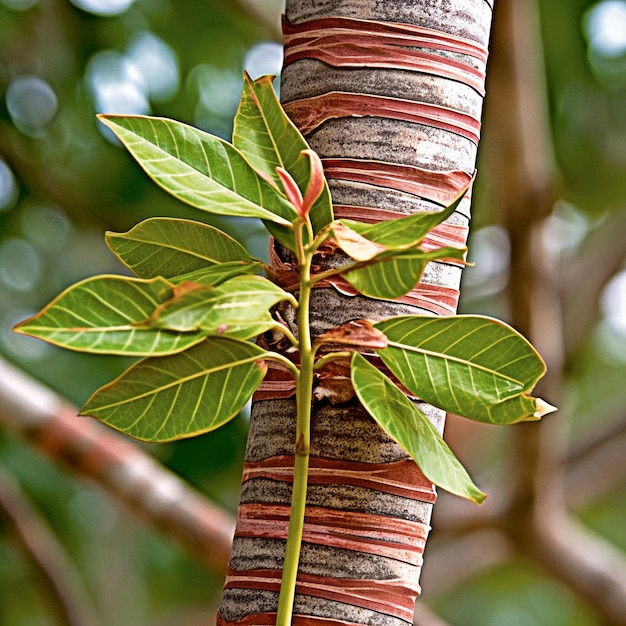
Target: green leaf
point(199, 169)
point(172, 397)
point(391, 275)
point(363, 241)
point(403, 421)
point(169, 247)
point(100, 315)
point(238, 307)
point(473, 366)
point(269, 139)
point(217, 274)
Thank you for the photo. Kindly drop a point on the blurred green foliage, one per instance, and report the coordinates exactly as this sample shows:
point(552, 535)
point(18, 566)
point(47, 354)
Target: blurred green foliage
point(64, 181)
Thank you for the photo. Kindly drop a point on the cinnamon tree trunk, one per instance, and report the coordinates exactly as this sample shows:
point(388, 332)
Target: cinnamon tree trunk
point(390, 95)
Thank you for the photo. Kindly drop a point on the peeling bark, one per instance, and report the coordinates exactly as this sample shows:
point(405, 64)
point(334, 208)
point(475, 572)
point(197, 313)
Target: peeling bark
point(410, 80)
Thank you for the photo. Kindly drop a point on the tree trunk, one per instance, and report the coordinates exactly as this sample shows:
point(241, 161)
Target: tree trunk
point(390, 94)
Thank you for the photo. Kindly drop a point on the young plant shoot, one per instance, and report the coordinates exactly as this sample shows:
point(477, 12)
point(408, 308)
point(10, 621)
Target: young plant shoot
point(198, 301)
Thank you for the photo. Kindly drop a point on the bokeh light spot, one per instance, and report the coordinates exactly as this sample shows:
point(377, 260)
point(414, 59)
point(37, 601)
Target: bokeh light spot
point(8, 187)
point(614, 303)
point(606, 27)
point(566, 228)
point(489, 251)
point(116, 84)
point(157, 64)
point(20, 346)
point(264, 58)
point(32, 103)
point(46, 226)
point(103, 7)
point(20, 264)
point(218, 92)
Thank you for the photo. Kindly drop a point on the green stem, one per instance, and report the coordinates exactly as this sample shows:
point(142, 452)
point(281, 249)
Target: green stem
point(332, 356)
point(283, 360)
point(287, 333)
point(303, 441)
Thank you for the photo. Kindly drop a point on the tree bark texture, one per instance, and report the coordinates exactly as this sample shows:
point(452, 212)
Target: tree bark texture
point(389, 93)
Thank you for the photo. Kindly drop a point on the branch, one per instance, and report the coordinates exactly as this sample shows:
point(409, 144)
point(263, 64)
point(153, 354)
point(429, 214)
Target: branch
point(123, 470)
point(601, 257)
point(62, 584)
point(586, 563)
point(597, 465)
point(452, 561)
point(537, 522)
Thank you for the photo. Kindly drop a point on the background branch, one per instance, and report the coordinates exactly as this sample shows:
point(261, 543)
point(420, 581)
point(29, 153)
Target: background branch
point(129, 475)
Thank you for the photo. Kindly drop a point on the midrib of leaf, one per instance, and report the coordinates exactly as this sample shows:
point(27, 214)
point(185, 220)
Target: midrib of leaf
point(182, 380)
point(266, 125)
point(88, 329)
point(168, 246)
point(137, 140)
point(444, 357)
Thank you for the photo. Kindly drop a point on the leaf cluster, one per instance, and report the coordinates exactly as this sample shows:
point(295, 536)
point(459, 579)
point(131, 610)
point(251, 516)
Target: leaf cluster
point(197, 298)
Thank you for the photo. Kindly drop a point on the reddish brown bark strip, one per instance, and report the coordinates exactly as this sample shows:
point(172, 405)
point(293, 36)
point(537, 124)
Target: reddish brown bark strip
point(269, 619)
point(347, 530)
point(436, 299)
point(393, 597)
point(343, 42)
point(388, 477)
point(439, 187)
point(362, 506)
point(309, 113)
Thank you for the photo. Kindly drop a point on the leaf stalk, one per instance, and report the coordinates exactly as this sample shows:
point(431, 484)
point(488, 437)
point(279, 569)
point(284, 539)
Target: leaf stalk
point(304, 389)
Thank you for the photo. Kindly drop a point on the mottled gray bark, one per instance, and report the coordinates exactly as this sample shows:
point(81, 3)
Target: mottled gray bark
point(344, 433)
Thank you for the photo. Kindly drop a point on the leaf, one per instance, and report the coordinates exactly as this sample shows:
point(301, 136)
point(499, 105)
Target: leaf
point(172, 397)
point(353, 334)
point(473, 366)
point(169, 247)
point(199, 169)
point(392, 275)
point(405, 423)
point(99, 315)
point(217, 274)
point(363, 242)
point(355, 245)
point(269, 139)
point(238, 307)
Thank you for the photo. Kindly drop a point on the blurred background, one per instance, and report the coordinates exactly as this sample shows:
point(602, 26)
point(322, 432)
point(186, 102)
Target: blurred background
point(548, 243)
